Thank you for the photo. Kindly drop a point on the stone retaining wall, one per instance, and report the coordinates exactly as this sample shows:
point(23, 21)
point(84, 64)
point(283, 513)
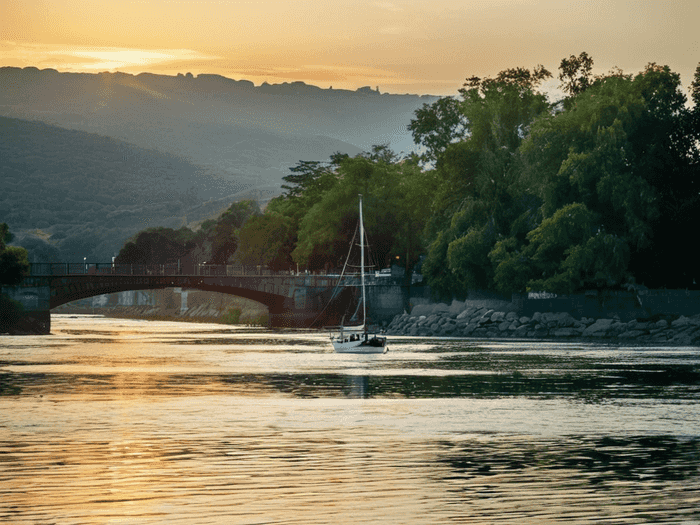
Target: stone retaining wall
point(463, 320)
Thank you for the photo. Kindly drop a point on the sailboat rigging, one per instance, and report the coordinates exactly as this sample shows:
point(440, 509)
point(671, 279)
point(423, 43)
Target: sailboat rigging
point(357, 339)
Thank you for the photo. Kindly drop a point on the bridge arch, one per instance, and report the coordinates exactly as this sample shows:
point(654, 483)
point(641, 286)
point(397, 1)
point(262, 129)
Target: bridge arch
point(293, 300)
point(68, 289)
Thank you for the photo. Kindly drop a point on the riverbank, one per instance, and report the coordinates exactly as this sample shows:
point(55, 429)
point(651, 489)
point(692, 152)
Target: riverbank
point(498, 320)
point(485, 319)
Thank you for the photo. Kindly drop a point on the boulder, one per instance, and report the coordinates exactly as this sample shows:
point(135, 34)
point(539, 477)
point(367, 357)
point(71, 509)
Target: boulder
point(681, 322)
point(599, 328)
point(456, 308)
point(631, 334)
point(497, 317)
point(441, 308)
point(422, 310)
point(466, 313)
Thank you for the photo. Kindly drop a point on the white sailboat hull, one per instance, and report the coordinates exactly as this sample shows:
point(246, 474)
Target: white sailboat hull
point(374, 345)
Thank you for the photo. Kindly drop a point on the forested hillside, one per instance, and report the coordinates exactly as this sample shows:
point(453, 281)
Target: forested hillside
point(83, 195)
point(232, 129)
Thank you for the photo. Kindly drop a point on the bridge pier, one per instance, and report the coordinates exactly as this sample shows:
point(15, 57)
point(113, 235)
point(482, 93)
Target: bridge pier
point(34, 317)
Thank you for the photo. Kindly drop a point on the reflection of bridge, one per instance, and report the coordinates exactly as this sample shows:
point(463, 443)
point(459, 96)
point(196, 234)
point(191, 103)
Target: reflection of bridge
point(292, 299)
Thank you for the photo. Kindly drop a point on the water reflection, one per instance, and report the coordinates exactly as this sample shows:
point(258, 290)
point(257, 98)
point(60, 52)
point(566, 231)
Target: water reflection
point(653, 478)
point(678, 383)
point(117, 421)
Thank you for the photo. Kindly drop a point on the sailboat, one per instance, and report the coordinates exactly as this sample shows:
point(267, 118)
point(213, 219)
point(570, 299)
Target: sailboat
point(357, 339)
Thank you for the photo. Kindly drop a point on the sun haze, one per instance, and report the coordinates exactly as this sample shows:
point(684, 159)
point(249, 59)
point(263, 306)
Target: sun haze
point(416, 46)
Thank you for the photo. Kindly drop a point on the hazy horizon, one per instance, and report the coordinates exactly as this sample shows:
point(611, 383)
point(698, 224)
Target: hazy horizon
point(401, 46)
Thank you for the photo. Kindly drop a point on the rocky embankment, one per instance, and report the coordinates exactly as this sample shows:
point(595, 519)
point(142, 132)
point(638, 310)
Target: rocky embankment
point(463, 320)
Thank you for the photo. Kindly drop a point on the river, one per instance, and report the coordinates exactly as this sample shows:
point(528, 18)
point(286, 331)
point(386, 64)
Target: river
point(112, 421)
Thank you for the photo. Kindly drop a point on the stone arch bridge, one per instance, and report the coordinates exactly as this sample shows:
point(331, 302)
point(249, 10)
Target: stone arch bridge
point(293, 300)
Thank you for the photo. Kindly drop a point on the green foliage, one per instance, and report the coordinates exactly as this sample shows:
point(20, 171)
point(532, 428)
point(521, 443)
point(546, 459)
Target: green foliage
point(157, 246)
point(14, 266)
point(481, 194)
point(624, 149)
point(215, 242)
point(223, 236)
point(512, 268)
point(5, 235)
point(14, 263)
point(438, 125)
point(257, 320)
point(232, 316)
point(268, 240)
point(695, 88)
point(585, 194)
point(575, 73)
point(313, 223)
point(395, 210)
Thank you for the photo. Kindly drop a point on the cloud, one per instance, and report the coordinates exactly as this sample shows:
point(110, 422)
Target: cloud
point(86, 58)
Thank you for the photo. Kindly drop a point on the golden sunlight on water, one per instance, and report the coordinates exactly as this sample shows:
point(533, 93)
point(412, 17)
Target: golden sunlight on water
point(112, 421)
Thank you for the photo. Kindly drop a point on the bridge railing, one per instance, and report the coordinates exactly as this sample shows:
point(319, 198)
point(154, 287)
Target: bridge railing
point(205, 270)
point(87, 268)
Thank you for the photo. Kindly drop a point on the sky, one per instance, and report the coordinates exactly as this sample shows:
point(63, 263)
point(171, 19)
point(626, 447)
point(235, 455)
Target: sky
point(400, 46)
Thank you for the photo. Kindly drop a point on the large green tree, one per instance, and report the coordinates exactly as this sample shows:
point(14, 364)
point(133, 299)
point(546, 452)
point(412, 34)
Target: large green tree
point(480, 196)
point(592, 192)
point(623, 150)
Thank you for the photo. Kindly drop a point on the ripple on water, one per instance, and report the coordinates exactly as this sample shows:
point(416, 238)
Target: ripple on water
point(114, 421)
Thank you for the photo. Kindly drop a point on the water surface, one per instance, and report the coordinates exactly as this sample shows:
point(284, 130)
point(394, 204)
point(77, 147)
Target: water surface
point(120, 421)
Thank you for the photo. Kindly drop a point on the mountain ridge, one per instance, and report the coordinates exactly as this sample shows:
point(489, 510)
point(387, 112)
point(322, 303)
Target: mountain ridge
point(228, 139)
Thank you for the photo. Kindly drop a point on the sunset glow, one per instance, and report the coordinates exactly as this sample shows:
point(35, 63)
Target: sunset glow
point(415, 46)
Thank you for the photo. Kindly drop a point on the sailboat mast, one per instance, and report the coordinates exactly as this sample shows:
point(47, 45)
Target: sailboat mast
point(362, 265)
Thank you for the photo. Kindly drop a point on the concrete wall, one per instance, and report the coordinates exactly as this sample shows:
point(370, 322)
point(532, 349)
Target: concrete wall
point(386, 301)
point(626, 305)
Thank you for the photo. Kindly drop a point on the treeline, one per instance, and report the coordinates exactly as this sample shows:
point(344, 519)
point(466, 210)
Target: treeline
point(215, 242)
point(511, 192)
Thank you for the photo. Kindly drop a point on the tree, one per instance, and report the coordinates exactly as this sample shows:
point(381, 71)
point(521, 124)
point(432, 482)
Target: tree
point(268, 240)
point(224, 235)
point(695, 88)
point(395, 209)
point(156, 246)
point(438, 125)
point(14, 262)
point(575, 73)
point(481, 194)
point(623, 149)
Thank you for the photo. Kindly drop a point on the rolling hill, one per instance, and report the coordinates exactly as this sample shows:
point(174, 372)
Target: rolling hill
point(86, 160)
